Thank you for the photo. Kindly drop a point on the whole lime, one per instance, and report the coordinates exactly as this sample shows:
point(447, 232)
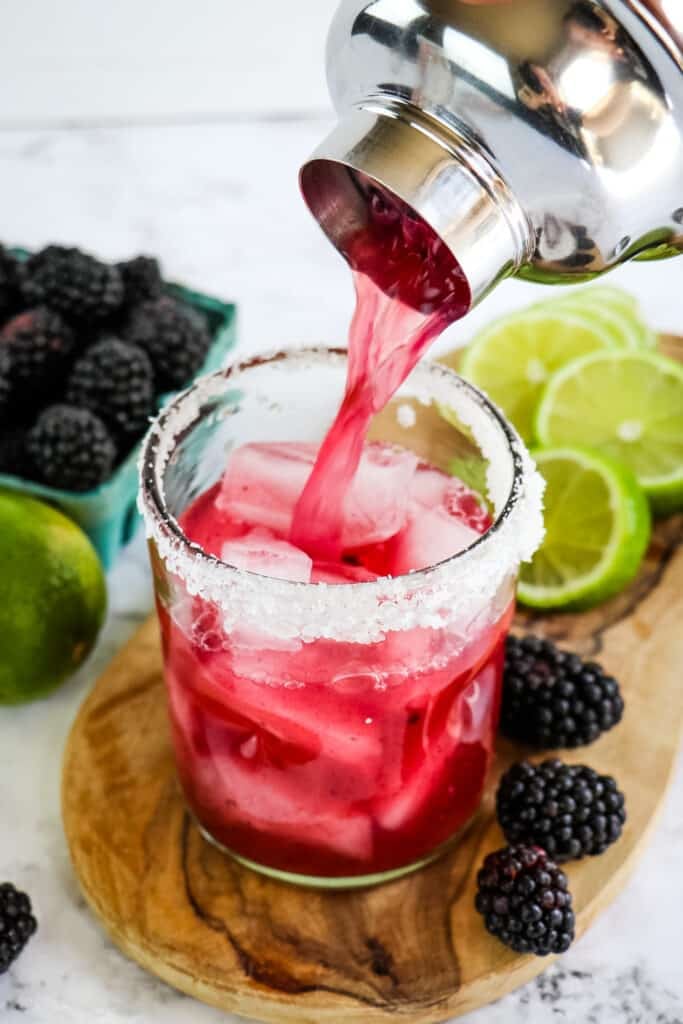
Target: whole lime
point(52, 598)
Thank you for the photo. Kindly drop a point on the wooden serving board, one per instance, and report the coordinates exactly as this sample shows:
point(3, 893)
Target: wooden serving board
point(413, 950)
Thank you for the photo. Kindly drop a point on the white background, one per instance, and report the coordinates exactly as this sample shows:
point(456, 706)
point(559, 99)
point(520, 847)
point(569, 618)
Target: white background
point(83, 60)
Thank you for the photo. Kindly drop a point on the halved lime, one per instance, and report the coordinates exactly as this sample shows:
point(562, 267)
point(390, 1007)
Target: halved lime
point(513, 358)
point(628, 406)
point(597, 523)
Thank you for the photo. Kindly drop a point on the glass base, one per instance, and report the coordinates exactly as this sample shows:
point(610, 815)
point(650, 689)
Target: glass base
point(350, 882)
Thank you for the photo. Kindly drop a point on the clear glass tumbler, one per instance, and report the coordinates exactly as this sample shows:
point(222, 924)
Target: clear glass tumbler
point(333, 735)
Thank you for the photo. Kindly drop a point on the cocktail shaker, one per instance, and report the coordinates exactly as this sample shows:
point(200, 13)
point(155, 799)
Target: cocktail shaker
point(539, 138)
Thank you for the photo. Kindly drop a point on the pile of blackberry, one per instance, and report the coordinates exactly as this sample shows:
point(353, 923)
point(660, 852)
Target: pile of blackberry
point(86, 350)
point(550, 812)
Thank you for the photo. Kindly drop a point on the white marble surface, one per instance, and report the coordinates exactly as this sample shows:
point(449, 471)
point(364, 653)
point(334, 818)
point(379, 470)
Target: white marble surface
point(219, 204)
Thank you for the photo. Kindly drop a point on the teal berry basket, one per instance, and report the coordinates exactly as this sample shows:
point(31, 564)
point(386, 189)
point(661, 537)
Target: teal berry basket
point(108, 514)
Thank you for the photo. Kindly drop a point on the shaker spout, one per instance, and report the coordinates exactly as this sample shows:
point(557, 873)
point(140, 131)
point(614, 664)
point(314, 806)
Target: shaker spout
point(449, 185)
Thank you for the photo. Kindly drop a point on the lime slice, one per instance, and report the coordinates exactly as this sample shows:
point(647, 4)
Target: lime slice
point(626, 330)
point(616, 310)
point(597, 523)
point(628, 406)
point(513, 358)
point(606, 295)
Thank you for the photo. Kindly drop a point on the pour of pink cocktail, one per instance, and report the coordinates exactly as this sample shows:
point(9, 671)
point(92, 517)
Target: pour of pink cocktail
point(409, 287)
point(325, 758)
point(333, 696)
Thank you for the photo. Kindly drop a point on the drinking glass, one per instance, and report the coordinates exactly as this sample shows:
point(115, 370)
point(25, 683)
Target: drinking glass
point(334, 735)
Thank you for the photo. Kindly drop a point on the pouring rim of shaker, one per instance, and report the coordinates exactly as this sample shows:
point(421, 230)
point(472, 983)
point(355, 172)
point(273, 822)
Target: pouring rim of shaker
point(492, 237)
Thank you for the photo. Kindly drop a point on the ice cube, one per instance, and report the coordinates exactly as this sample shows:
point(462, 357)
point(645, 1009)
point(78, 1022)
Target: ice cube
point(261, 552)
point(478, 708)
point(273, 802)
point(311, 717)
point(261, 657)
point(209, 527)
point(350, 835)
point(429, 486)
point(414, 796)
point(233, 720)
point(377, 503)
point(263, 482)
point(181, 610)
point(432, 489)
point(180, 707)
point(411, 652)
point(430, 536)
point(261, 790)
point(248, 640)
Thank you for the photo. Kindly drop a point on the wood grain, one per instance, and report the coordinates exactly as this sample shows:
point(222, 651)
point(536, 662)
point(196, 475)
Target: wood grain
point(413, 950)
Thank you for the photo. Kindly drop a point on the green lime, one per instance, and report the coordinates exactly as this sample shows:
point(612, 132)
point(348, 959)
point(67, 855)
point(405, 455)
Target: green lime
point(513, 358)
point(628, 406)
point(597, 523)
point(620, 309)
point(53, 597)
point(604, 295)
point(619, 301)
point(474, 473)
point(616, 310)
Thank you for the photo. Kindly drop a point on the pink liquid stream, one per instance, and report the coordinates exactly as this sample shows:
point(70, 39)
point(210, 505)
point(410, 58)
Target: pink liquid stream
point(409, 288)
point(339, 776)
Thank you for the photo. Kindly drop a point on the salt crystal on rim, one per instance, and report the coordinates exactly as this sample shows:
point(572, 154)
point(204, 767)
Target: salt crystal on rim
point(358, 612)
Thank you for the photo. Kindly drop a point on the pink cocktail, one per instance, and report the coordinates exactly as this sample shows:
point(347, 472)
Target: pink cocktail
point(334, 705)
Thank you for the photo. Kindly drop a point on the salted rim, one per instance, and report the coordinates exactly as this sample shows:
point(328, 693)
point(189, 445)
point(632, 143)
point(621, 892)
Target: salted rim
point(450, 592)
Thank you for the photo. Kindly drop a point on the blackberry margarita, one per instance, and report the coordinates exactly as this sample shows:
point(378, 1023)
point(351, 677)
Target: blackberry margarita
point(333, 609)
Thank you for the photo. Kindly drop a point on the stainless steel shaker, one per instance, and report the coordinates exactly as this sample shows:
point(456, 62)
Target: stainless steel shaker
point(542, 138)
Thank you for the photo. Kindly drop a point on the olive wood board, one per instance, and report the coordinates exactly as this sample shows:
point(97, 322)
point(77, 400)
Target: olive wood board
point(414, 949)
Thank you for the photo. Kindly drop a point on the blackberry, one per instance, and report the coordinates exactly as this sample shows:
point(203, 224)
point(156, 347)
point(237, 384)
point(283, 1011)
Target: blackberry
point(70, 448)
point(17, 924)
point(39, 344)
point(114, 380)
point(552, 698)
point(11, 272)
point(13, 455)
point(524, 900)
point(568, 809)
point(175, 337)
point(82, 288)
point(141, 279)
